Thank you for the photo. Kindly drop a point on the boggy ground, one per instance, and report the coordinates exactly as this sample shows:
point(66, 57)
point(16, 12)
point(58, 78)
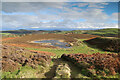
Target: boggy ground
point(25, 40)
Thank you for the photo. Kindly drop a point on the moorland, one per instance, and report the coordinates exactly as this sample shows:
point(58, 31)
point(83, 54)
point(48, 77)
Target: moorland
point(93, 54)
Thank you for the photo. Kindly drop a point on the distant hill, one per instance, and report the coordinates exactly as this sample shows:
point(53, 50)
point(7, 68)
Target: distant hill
point(110, 32)
point(21, 31)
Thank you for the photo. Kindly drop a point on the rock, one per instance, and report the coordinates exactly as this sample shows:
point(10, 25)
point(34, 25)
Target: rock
point(71, 44)
point(63, 71)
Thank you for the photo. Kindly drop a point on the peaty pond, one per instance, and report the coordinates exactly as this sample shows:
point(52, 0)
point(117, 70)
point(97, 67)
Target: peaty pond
point(56, 43)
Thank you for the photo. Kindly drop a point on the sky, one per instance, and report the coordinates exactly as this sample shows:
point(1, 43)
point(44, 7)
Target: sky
point(59, 15)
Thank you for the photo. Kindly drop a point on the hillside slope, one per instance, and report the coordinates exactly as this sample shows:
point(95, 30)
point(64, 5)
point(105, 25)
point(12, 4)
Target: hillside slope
point(108, 44)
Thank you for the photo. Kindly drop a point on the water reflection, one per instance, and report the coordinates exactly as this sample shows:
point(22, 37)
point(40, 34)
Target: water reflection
point(55, 43)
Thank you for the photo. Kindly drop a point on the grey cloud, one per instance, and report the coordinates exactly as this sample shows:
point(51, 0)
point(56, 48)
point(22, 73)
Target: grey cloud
point(29, 6)
point(91, 15)
point(95, 17)
point(28, 23)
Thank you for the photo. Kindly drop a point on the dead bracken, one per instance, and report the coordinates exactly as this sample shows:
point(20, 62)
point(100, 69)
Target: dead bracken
point(14, 57)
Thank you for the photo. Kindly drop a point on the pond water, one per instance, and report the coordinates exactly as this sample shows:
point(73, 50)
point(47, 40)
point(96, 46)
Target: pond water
point(56, 43)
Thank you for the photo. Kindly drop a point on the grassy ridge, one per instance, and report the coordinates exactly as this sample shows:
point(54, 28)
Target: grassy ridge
point(112, 32)
point(107, 44)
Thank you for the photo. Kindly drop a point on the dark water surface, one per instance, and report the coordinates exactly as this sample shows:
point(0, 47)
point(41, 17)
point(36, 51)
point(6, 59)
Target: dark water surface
point(56, 43)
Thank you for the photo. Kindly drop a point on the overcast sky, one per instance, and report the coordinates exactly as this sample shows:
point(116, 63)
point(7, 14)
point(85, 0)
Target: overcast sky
point(59, 15)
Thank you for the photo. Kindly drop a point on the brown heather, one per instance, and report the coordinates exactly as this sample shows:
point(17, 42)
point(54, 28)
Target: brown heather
point(96, 61)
